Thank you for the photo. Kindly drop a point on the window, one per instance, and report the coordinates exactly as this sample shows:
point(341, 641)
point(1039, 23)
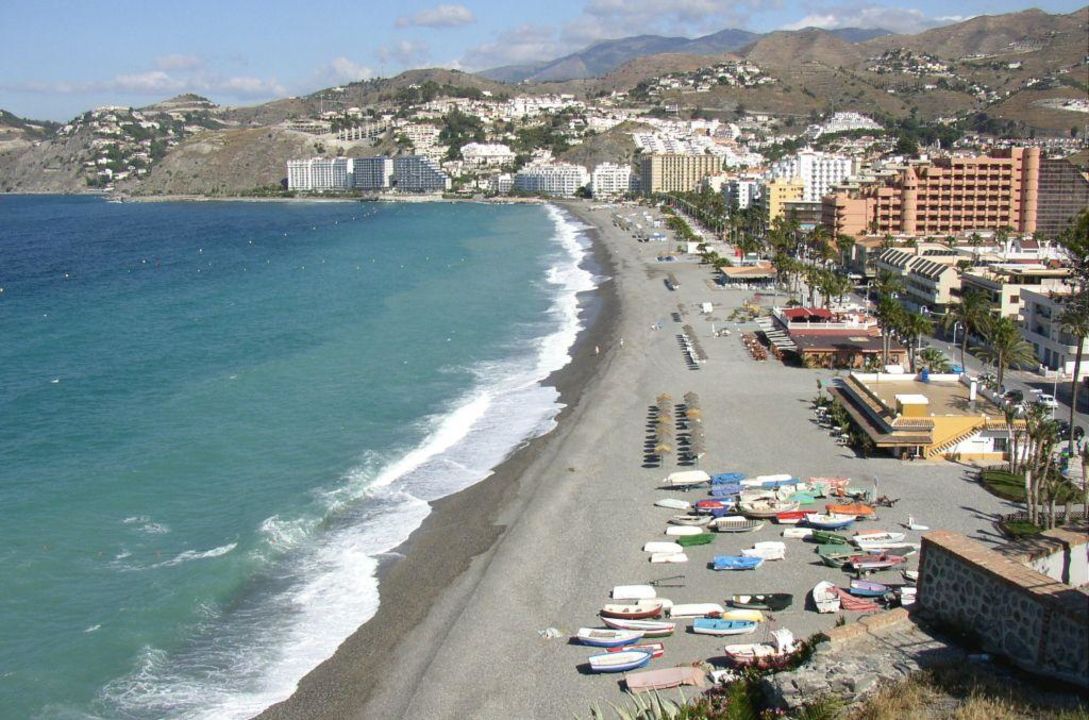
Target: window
point(1001, 444)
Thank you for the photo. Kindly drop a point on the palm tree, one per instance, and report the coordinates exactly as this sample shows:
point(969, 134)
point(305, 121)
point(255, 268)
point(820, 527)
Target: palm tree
point(888, 314)
point(1074, 320)
point(970, 313)
point(934, 359)
point(1005, 347)
point(1074, 241)
point(911, 327)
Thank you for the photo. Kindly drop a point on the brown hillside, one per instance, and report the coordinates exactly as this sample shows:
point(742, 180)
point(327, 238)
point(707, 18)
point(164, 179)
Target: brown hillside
point(226, 162)
point(633, 72)
point(614, 145)
point(784, 48)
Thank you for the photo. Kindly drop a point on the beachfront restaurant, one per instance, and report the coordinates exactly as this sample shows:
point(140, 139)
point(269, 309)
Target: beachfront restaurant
point(822, 338)
point(927, 416)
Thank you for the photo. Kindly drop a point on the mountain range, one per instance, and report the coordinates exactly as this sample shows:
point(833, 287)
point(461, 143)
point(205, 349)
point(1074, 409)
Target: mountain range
point(604, 57)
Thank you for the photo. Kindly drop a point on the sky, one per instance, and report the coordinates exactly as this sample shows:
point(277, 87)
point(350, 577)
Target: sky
point(59, 58)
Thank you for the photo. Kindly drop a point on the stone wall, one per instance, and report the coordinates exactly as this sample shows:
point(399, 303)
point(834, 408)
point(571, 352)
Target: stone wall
point(1036, 622)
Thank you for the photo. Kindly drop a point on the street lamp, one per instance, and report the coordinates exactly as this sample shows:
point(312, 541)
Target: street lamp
point(955, 326)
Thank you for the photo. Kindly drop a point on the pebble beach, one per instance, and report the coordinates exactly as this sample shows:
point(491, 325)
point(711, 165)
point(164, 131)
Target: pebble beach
point(471, 604)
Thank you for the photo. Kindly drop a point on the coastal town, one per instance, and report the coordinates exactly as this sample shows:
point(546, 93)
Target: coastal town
point(812, 412)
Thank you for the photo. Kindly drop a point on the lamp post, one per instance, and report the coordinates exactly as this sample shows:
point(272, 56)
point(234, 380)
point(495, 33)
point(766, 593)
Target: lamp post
point(955, 326)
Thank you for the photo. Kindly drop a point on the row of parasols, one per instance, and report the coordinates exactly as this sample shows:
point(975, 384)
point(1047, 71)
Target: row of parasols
point(695, 444)
point(692, 345)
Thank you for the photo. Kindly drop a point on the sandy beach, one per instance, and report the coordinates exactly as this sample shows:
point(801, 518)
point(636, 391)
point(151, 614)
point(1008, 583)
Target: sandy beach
point(540, 543)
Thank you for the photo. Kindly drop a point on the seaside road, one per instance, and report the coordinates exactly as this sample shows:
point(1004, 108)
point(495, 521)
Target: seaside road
point(576, 513)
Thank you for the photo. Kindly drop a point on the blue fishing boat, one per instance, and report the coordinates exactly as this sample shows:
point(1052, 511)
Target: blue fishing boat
point(867, 588)
point(737, 562)
point(715, 626)
point(725, 491)
point(730, 478)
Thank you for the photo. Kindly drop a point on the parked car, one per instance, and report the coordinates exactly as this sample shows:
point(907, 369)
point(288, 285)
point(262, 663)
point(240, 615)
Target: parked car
point(1047, 400)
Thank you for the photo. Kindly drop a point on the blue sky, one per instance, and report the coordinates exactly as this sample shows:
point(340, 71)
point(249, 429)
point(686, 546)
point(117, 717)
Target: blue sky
point(61, 57)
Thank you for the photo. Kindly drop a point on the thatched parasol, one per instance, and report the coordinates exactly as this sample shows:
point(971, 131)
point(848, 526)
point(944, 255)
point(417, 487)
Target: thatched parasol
point(662, 448)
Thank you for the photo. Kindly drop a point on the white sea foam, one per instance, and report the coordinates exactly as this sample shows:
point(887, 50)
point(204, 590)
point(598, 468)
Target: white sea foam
point(259, 655)
point(190, 555)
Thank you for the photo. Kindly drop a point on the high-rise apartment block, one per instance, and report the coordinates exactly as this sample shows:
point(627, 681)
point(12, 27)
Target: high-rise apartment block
point(943, 196)
point(674, 172)
point(407, 173)
point(817, 171)
point(610, 179)
point(560, 179)
point(418, 174)
point(372, 173)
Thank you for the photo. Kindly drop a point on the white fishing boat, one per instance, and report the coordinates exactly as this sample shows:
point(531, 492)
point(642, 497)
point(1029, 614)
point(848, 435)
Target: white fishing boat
point(697, 520)
point(735, 523)
point(682, 530)
point(766, 508)
point(767, 480)
point(649, 628)
point(637, 610)
point(662, 546)
point(634, 592)
point(673, 504)
point(900, 548)
point(661, 558)
point(686, 478)
point(798, 533)
point(691, 610)
point(769, 550)
point(877, 536)
point(825, 597)
point(597, 637)
point(619, 661)
point(762, 654)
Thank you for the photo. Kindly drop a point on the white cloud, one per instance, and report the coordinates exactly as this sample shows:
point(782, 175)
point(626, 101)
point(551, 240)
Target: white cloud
point(521, 45)
point(343, 70)
point(160, 84)
point(404, 52)
point(898, 20)
point(440, 16)
point(177, 61)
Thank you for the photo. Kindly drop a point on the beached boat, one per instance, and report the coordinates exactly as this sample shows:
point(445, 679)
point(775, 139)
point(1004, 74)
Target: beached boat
point(619, 661)
point(735, 523)
point(749, 495)
point(847, 601)
point(797, 533)
point(725, 491)
point(877, 536)
point(656, 649)
point(650, 680)
point(868, 588)
point(641, 610)
point(707, 506)
point(770, 481)
point(662, 546)
point(823, 537)
point(683, 530)
point(765, 508)
point(693, 540)
point(825, 597)
point(686, 478)
point(874, 563)
point(690, 610)
point(906, 595)
point(634, 592)
point(762, 655)
point(802, 498)
point(791, 517)
point(835, 555)
point(737, 562)
point(714, 626)
point(756, 616)
point(697, 520)
point(768, 550)
point(662, 558)
point(729, 478)
point(902, 549)
point(860, 510)
point(773, 602)
point(673, 504)
point(597, 637)
point(828, 522)
point(649, 628)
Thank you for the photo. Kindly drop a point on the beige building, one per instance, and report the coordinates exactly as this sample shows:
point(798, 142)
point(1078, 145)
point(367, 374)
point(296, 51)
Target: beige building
point(778, 193)
point(1055, 348)
point(929, 274)
point(943, 196)
point(1003, 284)
point(675, 172)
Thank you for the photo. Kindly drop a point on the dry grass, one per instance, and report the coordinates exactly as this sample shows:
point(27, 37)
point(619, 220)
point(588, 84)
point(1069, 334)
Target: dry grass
point(966, 694)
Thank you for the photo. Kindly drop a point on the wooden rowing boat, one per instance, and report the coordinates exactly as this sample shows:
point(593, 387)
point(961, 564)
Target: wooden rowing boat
point(596, 637)
point(716, 626)
point(735, 523)
point(656, 649)
point(762, 655)
point(642, 610)
point(825, 597)
point(823, 537)
point(619, 661)
point(765, 508)
point(832, 521)
point(791, 517)
point(649, 628)
point(696, 520)
point(857, 509)
point(868, 588)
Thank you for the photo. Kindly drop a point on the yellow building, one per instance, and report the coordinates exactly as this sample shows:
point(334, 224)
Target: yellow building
point(777, 193)
point(674, 172)
point(941, 417)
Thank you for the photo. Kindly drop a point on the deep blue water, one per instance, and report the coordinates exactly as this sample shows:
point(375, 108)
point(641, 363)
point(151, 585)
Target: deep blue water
point(216, 415)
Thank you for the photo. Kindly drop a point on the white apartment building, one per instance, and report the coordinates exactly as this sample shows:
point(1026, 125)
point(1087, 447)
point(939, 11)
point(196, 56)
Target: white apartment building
point(420, 135)
point(319, 174)
point(561, 179)
point(1055, 348)
point(487, 154)
point(846, 122)
point(742, 191)
point(501, 184)
point(818, 171)
point(372, 173)
point(610, 179)
point(418, 174)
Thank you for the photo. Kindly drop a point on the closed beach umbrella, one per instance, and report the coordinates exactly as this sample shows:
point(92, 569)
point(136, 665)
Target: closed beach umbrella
point(664, 398)
point(694, 414)
point(662, 448)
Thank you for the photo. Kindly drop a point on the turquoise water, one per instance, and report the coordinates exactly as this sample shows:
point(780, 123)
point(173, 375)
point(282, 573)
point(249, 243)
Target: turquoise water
point(216, 416)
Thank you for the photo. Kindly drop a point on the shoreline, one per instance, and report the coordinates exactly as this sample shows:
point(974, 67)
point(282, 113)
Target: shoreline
point(461, 527)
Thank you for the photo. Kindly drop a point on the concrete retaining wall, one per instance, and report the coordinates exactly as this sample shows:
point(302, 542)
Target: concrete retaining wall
point(1038, 623)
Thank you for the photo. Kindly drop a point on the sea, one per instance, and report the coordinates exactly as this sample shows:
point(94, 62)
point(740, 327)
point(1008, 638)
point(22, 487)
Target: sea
point(217, 419)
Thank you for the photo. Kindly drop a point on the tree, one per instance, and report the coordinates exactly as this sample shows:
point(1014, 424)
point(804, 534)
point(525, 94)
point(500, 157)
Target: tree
point(910, 328)
point(934, 360)
point(1005, 347)
point(970, 313)
point(888, 314)
point(1074, 241)
point(906, 145)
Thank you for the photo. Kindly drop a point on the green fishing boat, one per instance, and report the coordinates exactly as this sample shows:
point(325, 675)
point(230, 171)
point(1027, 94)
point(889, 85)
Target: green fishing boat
point(834, 555)
point(825, 537)
point(803, 498)
point(690, 540)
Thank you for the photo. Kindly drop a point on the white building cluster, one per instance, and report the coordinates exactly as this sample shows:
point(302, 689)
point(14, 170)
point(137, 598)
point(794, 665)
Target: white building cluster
point(609, 179)
point(818, 171)
point(487, 154)
point(559, 179)
point(405, 173)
